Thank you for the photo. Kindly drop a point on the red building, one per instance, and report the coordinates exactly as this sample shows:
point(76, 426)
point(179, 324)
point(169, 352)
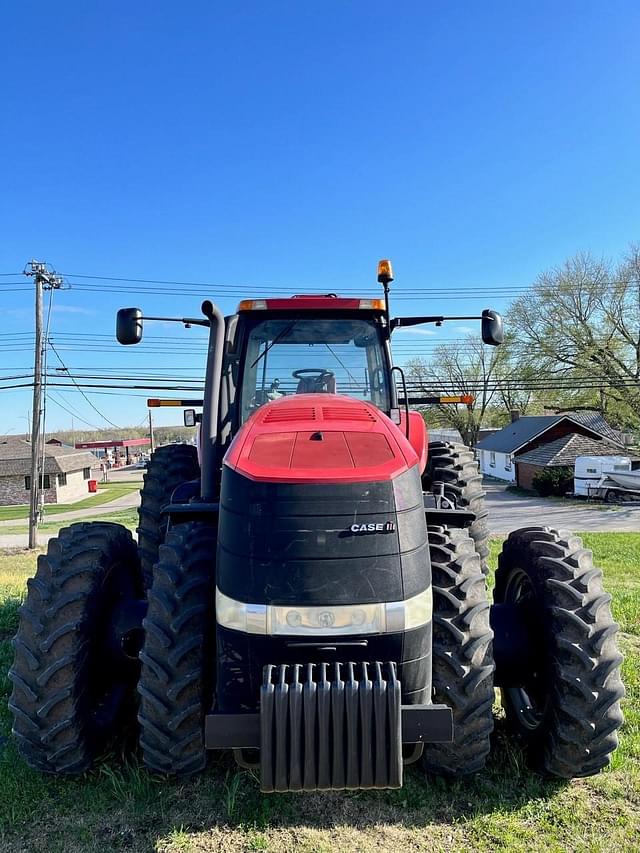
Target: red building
point(115, 448)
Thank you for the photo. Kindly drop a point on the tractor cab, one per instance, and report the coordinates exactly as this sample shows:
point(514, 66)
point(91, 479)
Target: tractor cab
point(312, 345)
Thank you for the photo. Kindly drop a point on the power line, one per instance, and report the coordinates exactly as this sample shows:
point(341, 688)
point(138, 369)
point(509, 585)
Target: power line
point(104, 417)
point(243, 287)
point(164, 382)
point(506, 380)
point(75, 412)
point(69, 412)
point(20, 376)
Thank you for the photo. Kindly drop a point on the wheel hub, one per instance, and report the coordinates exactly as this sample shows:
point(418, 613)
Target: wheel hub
point(518, 656)
point(125, 634)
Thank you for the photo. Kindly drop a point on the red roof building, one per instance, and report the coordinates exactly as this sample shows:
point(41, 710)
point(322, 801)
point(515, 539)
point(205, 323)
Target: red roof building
point(116, 445)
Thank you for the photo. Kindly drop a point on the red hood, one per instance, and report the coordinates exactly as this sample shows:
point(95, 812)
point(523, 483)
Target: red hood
point(319, 438)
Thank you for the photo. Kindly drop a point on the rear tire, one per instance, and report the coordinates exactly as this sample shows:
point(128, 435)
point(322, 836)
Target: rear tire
point(70, 697)
point(178, 656)
point(454, 466)
point(462, 653)
point(568, 711)
point(169, 467)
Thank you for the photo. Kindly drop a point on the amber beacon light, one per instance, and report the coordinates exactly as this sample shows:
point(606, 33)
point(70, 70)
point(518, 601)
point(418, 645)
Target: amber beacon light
point(385, 271)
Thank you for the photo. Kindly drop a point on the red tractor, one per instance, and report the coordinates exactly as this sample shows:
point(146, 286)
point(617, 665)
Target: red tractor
point(309, 586)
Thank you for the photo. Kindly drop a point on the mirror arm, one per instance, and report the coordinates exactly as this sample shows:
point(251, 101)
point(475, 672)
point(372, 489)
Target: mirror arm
point(414, 321)
point(188, 321)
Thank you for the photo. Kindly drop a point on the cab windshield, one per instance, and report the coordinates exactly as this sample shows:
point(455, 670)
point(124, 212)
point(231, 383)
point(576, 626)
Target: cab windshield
point(314, 356)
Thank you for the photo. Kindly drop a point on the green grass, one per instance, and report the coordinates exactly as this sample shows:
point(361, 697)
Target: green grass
point(120, 806)
point(106, 492)
point(127, 516)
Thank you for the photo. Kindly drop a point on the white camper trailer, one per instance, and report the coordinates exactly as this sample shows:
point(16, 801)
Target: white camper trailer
point(611, 478)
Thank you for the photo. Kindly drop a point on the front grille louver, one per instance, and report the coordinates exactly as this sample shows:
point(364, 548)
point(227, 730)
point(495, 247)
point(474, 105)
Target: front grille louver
point(347, 413)
point(288, 415)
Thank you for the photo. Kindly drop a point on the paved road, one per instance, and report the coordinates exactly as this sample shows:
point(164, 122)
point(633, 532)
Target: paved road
point(123, 502)
point(508, 511)
point(20, 540)
point(124, 475)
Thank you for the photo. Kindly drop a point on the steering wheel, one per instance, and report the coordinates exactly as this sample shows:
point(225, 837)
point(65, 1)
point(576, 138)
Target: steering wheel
point(314, 380)
point(319, 372)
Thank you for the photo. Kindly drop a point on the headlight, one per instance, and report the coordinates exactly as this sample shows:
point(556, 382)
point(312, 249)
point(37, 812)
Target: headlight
point(330, 620)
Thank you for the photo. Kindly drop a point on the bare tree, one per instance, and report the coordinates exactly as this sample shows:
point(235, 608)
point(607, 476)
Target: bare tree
point(464, 367)
point(514, 380)
point(581, 321)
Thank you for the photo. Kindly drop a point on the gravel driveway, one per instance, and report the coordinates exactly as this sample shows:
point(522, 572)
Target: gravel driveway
point(508, 511)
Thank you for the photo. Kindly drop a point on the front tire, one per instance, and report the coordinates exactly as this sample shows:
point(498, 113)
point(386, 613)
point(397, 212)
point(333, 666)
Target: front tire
point(72, 693)
point(462, 653)
point(567, 707)
point(178, 656)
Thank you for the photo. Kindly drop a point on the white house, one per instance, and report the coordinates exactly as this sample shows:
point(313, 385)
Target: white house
point(497, 453)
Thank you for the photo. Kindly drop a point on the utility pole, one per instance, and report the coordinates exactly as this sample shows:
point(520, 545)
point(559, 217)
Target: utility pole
point(153, 444)
point(43, 280)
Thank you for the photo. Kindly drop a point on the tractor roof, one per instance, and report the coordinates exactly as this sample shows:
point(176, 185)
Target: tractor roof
point(312, 302)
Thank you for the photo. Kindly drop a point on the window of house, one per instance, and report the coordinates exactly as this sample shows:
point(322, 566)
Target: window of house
point(492, 458)
point(507, 462)
point(43, 485)
point(86, 473)
point(62, 479)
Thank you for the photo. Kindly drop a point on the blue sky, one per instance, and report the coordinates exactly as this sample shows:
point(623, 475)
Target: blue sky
point(290, 146)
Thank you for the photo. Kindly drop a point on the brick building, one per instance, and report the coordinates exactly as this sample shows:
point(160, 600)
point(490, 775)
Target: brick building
point(65, 474)
point(499, 454)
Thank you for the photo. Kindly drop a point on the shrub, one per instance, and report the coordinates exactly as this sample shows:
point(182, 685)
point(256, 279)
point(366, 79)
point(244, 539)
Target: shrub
point(553, 481)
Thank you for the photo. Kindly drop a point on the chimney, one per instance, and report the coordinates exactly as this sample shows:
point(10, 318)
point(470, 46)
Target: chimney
point(515, 415)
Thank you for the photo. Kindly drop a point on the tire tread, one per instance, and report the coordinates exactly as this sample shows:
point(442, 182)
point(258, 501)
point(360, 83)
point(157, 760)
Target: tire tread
point(51, 648)
point(462, 653)
point(579, 731)
point(454, 466)
point(169, 467)
point(178, 657)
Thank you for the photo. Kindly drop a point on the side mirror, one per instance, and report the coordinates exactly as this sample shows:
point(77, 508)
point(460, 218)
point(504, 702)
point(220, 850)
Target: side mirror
point(129, 326)
point(190, 417)
point(492, 328)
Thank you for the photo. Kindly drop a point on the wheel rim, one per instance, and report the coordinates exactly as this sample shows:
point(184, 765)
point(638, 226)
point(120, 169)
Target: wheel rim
point(530, 700)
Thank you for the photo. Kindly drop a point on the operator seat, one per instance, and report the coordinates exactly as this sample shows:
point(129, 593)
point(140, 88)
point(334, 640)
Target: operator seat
point(309, 385)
